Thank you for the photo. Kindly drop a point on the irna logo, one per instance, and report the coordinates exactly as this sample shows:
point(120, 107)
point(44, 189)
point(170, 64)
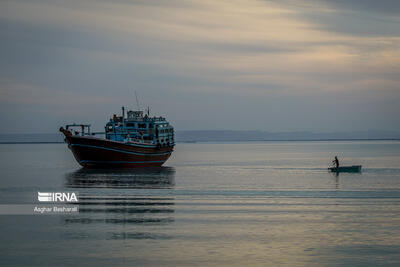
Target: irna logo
point(57, 197)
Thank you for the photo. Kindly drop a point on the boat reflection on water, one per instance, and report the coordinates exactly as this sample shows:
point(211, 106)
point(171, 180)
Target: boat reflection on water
point(144, 178)
point(129, 200)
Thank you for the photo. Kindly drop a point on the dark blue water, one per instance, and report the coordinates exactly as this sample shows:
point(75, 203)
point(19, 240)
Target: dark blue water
point(265, 203)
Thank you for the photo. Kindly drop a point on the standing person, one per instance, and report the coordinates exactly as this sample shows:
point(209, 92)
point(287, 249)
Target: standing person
point(336, 162)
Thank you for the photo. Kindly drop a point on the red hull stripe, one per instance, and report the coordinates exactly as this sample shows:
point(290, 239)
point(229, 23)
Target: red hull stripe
point(124, 151)
point(119, 162)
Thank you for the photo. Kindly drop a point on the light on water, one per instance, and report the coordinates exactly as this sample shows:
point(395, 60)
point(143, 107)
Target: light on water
point(264, 203)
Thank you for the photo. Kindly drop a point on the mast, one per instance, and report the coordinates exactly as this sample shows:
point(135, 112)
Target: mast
point(137, 101)
point(123, 115)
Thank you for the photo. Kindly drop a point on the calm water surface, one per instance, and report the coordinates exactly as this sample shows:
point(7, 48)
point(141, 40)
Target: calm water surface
point(233, 204)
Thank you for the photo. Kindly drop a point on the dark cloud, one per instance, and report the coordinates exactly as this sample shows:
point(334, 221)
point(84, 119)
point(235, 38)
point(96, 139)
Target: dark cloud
point(228, 47)
point(391, 7)
point(354, 24)
point(353, 17)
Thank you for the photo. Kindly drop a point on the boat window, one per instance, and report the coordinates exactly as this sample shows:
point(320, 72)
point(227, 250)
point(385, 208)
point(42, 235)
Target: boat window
point(142, 125)
point(130, 124)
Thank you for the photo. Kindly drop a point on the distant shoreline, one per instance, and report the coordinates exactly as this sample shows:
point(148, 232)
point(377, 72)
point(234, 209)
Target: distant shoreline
point(224, 136)
point(228, 141)
point(31, 142)
point(294, 140)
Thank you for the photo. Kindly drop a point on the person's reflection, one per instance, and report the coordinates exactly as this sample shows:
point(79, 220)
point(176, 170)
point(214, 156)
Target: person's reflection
point(106, 196)
point(336, 176)
point(148, 178)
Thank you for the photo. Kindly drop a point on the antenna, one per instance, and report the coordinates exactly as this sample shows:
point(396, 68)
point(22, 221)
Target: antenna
point(137, 101)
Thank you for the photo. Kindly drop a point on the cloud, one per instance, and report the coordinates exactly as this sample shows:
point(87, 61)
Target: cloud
point(391, 7)
point(187, 55)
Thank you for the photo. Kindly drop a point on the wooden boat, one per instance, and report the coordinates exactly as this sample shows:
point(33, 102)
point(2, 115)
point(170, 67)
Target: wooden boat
point(354, 168)
point(130, 141)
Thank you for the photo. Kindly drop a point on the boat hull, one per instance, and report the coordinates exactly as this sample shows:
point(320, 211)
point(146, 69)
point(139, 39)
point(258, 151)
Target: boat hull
point(354, 168)
point(102, 153)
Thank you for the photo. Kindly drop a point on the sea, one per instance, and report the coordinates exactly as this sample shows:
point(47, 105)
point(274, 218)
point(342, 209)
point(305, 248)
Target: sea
point(211, 204)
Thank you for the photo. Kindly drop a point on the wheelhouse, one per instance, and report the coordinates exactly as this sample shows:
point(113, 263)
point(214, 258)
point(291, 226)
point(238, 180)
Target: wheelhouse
point(136, 128)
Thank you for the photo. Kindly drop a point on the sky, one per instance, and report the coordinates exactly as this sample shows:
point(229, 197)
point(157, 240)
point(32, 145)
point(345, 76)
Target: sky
point(287, 65)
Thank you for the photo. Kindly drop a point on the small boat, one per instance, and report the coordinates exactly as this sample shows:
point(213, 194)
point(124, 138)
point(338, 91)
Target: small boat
point(354, 168)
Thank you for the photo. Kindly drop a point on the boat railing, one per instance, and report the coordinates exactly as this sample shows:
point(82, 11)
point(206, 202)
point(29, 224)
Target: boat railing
point(140, 141)
point(131, 132)
point(85, 129)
